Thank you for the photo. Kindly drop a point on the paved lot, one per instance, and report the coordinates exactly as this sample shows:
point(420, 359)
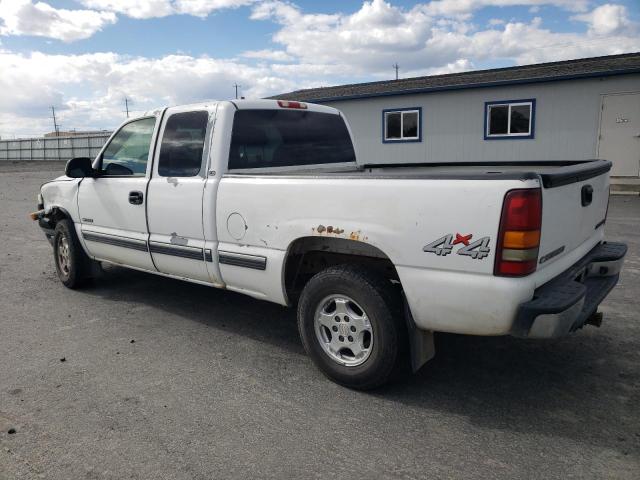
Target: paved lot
point(167, 380)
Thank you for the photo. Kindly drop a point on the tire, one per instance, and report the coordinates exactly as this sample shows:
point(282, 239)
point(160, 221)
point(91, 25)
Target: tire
point(72, 264)
point(332, 320)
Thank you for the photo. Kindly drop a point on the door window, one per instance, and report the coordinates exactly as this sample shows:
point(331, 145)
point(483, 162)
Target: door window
point(183, 144)
point(128, 151)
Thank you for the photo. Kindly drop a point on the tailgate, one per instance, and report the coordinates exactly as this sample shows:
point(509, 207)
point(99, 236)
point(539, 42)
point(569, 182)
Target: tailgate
point(574, 207)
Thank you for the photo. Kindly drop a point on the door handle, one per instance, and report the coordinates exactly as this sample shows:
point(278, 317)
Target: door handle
point(135, 198)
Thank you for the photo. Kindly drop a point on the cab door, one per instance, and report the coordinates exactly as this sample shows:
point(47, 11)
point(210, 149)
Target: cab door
point(176, 189)
point(112, 205)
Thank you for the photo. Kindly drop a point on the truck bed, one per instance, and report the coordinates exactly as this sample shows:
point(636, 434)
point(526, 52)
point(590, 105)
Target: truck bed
point(552, 174)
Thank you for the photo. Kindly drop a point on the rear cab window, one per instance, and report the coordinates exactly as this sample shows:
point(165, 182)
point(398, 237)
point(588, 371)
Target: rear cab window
point(183, 144)
point(284, 138)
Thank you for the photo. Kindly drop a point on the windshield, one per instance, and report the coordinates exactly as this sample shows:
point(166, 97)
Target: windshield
point(281, 138)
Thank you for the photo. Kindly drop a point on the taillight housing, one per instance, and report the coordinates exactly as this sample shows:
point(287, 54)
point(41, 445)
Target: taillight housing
point(519, 233)
point(292, 104)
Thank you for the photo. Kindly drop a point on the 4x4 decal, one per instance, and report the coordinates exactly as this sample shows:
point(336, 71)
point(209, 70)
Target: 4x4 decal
point(444, 246)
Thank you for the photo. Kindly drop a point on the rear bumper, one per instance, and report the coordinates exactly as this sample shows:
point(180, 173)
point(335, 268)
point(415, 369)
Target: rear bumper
point(565, 303)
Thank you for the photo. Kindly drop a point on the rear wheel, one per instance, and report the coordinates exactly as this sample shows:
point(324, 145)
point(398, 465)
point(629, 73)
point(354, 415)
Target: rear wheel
point(72, 264)
point(348, 323)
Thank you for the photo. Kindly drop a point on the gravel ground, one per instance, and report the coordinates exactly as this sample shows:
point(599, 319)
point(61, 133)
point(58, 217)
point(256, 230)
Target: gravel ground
point(145, 377)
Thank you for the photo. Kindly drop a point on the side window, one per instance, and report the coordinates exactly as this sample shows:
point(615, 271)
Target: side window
point(128, 151)
point(402, 125)
point(183, 144)
point(510, 119)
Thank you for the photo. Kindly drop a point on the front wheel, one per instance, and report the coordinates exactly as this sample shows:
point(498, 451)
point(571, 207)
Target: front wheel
point(72, 264)
point(348, 323)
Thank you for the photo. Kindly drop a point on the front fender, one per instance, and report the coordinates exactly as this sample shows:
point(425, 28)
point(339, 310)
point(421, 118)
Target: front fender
point(62, 194)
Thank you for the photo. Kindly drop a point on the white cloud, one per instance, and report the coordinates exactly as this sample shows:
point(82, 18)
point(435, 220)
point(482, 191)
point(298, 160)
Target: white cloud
point(607, 19)
point(163, 8)
point(23, 17)
point(308, 50)
point(88, 90)
point(273, 55)
point(463, 8)
point(372, 39)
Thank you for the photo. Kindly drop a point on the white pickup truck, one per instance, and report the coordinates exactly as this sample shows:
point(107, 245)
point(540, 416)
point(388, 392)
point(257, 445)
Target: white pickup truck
point(268, 199)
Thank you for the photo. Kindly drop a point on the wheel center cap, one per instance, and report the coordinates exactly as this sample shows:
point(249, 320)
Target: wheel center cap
point(343, 329)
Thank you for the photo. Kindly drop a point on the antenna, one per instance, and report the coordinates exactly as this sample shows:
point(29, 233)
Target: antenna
point(236, 86)
point(55, 123)
point(126, 106)
point(397, 67)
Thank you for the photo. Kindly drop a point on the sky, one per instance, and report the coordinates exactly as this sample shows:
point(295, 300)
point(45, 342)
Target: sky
point(85, 56)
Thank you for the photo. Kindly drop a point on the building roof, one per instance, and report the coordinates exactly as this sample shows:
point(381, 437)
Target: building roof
point(77, 133)
point(541, 72)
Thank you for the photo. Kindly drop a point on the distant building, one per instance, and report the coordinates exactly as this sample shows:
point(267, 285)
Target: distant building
point(569, 110)
point(77, 133)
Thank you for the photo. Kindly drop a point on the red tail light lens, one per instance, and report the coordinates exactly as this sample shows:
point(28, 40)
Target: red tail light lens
point(522, 210)
point(519, 234)
point(291, 104)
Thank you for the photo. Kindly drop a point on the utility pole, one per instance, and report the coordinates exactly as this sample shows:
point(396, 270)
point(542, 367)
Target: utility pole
point(237, 87)
point(55, 123)
point(396, 66)
point(126, 106)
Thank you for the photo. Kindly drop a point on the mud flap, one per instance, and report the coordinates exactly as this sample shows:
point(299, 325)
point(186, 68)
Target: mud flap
point(421, 346)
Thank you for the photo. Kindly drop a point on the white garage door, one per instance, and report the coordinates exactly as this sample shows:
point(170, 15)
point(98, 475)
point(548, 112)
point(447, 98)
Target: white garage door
point(620, 133)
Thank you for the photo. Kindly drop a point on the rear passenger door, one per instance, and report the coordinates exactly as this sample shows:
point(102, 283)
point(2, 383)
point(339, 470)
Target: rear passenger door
point(176, 188)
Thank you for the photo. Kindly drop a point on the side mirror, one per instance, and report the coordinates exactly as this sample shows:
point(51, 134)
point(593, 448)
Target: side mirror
point(79, 167)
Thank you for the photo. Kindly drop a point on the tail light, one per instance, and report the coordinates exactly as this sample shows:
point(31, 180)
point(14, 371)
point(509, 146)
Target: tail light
point(519, 234)
point(289, 104)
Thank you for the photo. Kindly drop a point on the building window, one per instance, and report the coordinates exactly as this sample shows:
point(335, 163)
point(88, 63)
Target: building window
point(510, 119)
point(402, 125)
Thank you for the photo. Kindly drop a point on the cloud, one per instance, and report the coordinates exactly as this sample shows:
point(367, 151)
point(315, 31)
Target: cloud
point(88, 90)
point(163, 8)
point(607, 19)
point(373, 38)
point(307, 50)
point(23, 17)
point(273, 55)
point(463, 8)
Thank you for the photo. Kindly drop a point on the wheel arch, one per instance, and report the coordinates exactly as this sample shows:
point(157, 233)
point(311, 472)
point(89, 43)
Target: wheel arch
point(57, 213)
point(308, 255)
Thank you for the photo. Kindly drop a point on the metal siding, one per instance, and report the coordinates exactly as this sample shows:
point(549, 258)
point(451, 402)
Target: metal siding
point(566, 123)
point(55, 148)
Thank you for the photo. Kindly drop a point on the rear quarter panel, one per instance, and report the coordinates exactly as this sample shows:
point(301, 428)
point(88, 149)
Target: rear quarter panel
point(399, 216)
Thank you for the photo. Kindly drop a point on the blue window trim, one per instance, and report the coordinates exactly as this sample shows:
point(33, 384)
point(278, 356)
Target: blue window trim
point(510, 137)
point(400, 140)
